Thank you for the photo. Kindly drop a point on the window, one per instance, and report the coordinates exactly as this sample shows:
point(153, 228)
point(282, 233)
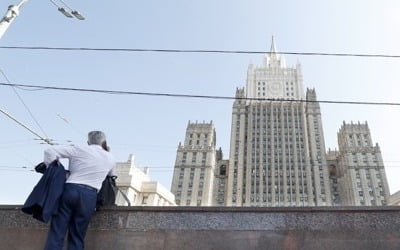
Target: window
point(144, 200)
point(194, 157)
point(222, 170)
point(184, 157)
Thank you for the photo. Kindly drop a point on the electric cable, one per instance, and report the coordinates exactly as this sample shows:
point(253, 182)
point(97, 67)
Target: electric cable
point(120, 92)
point(46, 140)
point(197, 51)
point(26, 106)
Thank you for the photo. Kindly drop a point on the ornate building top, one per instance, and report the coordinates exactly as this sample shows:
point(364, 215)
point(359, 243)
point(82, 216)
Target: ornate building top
point(273, 79)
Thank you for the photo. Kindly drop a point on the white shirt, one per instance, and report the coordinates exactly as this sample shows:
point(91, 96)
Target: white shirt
point(88, 165)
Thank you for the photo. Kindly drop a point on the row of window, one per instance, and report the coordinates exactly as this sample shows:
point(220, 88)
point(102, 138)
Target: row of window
point(198, 135)
point(263, 83)
point(270, 201)
point(194, 157)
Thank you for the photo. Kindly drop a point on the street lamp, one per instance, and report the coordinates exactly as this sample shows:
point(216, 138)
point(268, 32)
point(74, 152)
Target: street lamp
point(9, 17)
point(78, 15)
point(13, 12)
point(68, 11)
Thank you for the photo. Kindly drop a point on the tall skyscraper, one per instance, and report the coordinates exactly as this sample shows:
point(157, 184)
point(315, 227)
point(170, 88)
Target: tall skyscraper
point(277, 149)
point(361, 172)
point(193, 177)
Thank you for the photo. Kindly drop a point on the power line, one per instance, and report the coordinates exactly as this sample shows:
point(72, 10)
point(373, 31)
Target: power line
point(22, 101)
point(46, 140)
point(120, 92)
point(197, 51)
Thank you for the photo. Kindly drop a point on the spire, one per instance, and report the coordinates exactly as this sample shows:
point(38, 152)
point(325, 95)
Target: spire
point(273, 48)
point(273, 57)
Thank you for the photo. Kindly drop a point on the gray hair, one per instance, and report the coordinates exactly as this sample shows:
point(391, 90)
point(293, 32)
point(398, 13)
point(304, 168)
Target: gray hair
point(96, 137)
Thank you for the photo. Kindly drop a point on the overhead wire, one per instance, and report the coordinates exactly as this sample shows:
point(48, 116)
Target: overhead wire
point(120, 92)
point(54, 3)
point(22, 101)
point(38, 87)
point(46, 140)
point(197, 51)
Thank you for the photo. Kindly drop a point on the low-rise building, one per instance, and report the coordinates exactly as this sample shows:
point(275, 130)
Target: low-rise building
point(135, 183)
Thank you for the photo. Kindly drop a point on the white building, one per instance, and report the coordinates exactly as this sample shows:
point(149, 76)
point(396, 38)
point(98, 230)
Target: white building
point(277, 149)
point(193, 178)
point(362, 176)
point(139, 189)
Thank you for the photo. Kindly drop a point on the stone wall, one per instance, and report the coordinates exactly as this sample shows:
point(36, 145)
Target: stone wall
point(173, 228)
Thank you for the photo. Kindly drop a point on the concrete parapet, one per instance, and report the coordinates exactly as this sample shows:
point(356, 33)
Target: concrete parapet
point(312, 228)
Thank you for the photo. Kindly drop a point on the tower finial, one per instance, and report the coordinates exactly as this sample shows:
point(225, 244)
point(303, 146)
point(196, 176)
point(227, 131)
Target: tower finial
point(273, 48)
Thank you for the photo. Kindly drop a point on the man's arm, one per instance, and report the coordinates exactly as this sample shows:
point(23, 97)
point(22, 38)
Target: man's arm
point(58, 152)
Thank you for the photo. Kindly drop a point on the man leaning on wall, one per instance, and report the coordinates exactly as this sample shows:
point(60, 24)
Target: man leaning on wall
point(88, 167)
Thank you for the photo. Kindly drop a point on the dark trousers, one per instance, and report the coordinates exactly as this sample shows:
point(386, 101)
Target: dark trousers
point(76, 208)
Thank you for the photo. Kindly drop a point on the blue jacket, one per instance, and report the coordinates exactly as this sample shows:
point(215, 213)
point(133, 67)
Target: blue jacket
point(43, 201)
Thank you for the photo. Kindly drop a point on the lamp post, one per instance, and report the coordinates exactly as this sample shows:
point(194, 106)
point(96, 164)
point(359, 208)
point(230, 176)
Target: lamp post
point(5, 22)
point(13, 12)
point(9, 17)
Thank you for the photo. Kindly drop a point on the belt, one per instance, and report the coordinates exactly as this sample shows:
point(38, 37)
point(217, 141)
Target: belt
point(85, 186)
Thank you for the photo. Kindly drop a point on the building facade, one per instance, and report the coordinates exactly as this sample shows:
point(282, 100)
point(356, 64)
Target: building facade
point(362, 174)
point(277, 149)
point(135, 183)
point(193, 177)
point(332, 159)
point(220, 180)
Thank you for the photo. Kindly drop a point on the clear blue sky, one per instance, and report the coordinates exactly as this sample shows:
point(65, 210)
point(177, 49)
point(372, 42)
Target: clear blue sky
point(151, 127)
